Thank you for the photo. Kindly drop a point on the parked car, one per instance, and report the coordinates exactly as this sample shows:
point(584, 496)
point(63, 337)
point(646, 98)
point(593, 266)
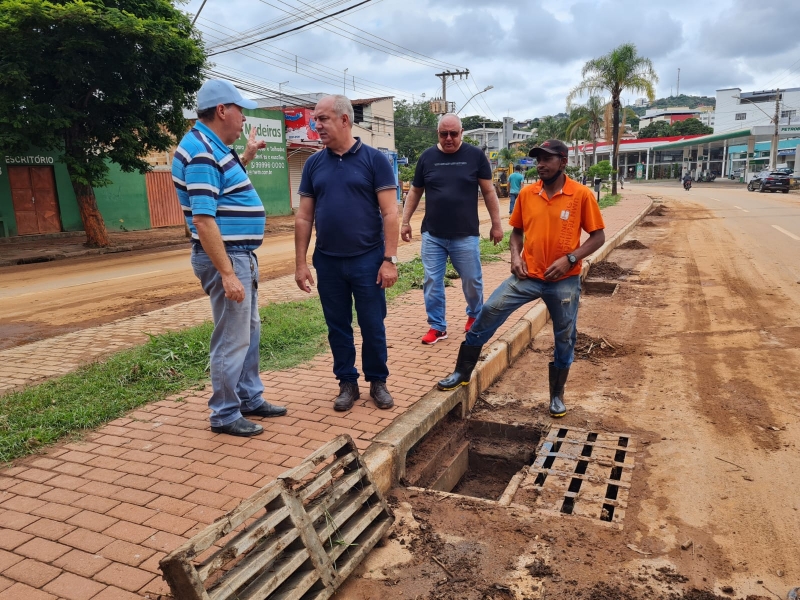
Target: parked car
point(736, 173)
point(772, 181)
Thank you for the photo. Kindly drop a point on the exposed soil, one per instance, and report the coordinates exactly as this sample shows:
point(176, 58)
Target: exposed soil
point(632, 245)
point(648, 224)
point(658, 211)
point(702, 380)
point(608, 270)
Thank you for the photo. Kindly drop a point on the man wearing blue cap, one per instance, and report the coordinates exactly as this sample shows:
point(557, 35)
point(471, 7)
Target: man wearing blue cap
point(227, 219)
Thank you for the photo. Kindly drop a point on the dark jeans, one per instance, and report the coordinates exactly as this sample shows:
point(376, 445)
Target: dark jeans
point(340, 280)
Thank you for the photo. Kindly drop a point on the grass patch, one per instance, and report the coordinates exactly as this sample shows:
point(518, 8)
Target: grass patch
point(291, 333)
point(609, 200)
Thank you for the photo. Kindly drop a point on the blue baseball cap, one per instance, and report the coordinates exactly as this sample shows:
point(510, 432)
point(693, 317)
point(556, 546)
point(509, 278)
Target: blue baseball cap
point(218, 91)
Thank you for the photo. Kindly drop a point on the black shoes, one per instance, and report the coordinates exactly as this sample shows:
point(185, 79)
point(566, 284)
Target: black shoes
point(468, 357)
point(266, 410)
point(381, 396)
point(348, 394)
point(558, 379)
point(241, 427)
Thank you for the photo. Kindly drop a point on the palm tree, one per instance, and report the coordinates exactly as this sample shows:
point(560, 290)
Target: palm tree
point(551, 128)
point(507, 156)
point(590, 116)
point(620, 69)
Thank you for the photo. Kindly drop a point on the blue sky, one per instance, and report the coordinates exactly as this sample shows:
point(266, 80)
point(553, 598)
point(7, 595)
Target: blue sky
point(531, 52)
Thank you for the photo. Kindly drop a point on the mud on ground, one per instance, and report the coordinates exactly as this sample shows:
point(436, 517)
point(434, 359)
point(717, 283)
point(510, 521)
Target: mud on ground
point(704, 382)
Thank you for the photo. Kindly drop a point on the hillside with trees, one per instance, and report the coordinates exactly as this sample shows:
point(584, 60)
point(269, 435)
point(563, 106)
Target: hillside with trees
point(682, 100)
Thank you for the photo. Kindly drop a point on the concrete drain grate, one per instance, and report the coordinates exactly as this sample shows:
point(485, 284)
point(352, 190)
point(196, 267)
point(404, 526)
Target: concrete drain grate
point(583, 473)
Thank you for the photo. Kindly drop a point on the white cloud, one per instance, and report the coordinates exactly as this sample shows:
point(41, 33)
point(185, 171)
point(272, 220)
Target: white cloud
point(530, 51)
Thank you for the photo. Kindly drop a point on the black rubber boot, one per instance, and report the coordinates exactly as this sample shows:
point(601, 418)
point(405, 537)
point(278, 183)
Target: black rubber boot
point(467, 359)
point(558, 379)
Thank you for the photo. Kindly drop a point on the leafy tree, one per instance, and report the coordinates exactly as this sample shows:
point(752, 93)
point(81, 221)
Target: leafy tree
point(477, 122)
point(621, 69)
point(414, 128)
point(471, 141)
point(663, 129)
point(552, 128)
point(532, 173)
point(588, 118)
point(656, 129)
point(406, 172)
point(691, 126)
point(507, 156)
point(102, 80)
point(602, 169)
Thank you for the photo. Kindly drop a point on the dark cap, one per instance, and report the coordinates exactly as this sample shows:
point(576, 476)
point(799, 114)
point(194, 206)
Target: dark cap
point(556, 147)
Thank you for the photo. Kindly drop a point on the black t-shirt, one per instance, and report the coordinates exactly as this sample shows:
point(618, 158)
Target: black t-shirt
point(451, 189)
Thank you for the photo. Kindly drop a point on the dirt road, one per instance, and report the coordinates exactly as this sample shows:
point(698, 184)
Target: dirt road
point(43, 300)
point(693, 363)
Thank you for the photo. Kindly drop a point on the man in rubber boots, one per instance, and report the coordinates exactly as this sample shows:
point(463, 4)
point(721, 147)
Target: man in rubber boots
point(546, 258)
point(449, 174)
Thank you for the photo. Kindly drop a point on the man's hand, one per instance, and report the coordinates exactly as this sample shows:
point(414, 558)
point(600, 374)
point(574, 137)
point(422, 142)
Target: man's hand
point(253, 146)
point(405, 232)
point(519, 267)
point(234, 290)
point(387, 275)
point(303, 278)
point(496, 234)
point(558, 269)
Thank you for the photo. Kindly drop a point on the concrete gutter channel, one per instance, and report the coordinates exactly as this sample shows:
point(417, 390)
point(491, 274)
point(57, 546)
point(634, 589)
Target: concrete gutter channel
point(386, 456)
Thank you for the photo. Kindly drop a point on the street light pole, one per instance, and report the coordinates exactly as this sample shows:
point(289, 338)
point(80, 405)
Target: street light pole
point(486, 89)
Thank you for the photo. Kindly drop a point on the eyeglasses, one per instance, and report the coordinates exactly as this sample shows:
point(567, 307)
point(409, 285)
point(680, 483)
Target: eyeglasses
point(446, 134)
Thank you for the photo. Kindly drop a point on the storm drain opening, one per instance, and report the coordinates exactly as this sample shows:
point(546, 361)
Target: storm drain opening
point(474, 458)
point(599, 288)
point(581, 473)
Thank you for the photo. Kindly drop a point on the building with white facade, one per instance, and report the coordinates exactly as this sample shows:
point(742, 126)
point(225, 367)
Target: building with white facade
point(669, 115)
point(493, 139)
point(741, 110)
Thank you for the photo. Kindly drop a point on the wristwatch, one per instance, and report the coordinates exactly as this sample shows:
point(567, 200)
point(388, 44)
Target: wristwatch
point(572, 259)
point(391, 259)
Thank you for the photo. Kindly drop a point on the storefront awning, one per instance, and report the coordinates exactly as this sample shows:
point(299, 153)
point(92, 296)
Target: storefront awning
point(707, 139)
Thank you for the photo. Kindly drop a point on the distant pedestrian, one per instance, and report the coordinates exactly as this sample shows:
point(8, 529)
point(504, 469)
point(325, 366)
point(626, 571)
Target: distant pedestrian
point(546, 253)
point(515, 182)
point(622, 181)
point(450, 174)
point(348, 191)
point(227, 219)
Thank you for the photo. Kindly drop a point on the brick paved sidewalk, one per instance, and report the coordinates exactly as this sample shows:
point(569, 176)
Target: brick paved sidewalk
point(90, 520)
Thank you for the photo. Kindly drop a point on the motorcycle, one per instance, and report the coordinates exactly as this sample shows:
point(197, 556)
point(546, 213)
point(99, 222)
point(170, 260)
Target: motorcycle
point(687, 184)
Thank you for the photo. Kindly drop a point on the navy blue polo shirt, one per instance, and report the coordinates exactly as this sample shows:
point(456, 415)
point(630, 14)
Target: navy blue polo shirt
point(345, 191)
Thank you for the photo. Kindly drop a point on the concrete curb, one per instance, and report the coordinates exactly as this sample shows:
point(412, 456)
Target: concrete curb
point(51, 256)
point(386, 456)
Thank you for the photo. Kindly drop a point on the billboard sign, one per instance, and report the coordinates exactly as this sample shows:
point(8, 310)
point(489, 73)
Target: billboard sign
point(300, 125)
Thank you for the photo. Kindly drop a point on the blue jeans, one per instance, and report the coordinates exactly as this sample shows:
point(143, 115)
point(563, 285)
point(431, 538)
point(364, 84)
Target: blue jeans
point(513, 200)
point(235, 382)
point(465, 254)
point(560, 297)
point(340, 281)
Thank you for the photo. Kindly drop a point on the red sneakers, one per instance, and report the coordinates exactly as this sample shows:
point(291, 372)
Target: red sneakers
point(470, 321)
point(433, 336)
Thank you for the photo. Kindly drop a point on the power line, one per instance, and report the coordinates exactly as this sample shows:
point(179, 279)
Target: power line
point(332, 78)
point(373, 45)
point(344, 10)
point(293, 66)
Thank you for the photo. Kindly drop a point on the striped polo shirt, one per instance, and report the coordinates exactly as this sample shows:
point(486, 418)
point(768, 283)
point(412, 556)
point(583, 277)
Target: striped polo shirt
point(211, 180)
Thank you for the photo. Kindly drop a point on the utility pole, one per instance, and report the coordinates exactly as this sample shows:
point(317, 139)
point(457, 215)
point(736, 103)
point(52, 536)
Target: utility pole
point(344, 82)
point(773, 154)
point(443, 76)
point(678, 90)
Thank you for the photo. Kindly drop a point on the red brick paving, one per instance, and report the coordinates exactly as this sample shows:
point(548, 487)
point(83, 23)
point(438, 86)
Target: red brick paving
point(90, 520)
